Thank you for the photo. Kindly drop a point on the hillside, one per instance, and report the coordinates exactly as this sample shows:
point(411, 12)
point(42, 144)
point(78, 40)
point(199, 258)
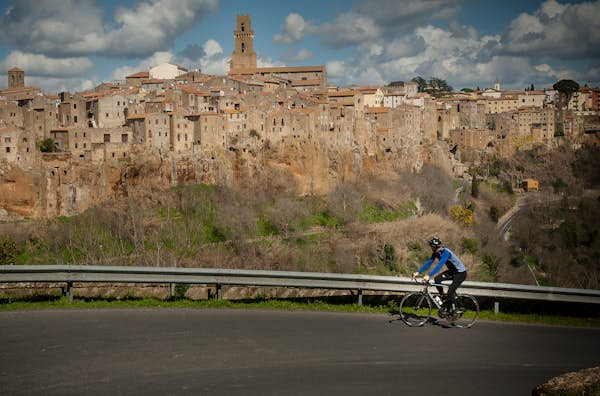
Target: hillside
point(373, 225)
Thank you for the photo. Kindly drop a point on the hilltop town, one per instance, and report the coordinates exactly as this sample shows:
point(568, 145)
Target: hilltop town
point(63, 153)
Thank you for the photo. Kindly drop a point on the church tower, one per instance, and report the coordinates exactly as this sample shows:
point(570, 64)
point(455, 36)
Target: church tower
point(497, 85)
point(243, 56)
point(16, 78)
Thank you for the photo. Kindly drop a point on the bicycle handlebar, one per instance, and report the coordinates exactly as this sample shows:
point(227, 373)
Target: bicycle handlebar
point(419, 279)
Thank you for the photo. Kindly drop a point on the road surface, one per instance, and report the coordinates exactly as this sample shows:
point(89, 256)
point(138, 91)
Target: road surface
point(259, 352)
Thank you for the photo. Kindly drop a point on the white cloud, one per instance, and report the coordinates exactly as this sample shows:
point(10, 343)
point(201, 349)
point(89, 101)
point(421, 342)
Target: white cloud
point(294, 29)
point(77, 27)
point(212, 48)
point(157, 58)
point(41, 65)
point(302, 55)
point(54, 84)
point(349, 29)
point(563, 31)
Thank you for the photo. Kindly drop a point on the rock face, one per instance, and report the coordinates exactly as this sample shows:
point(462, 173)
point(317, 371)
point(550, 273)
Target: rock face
point(581, 383)
point(60, 185)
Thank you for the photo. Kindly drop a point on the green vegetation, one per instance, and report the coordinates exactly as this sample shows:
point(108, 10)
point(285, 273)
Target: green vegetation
point(47, 145)
point(265, 303)
point(372, 213)
point(8, 250)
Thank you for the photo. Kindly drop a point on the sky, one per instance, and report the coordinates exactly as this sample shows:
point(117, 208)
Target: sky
point(75, 45)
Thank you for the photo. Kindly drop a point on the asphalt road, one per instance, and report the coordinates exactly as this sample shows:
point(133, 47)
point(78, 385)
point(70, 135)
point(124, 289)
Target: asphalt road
point(255, 352)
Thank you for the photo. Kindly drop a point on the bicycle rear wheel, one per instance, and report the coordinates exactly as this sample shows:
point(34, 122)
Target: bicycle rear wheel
point(467, 310)
point(415, 309)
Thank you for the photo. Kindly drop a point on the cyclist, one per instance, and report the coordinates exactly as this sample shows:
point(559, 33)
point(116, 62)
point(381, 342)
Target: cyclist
point(457, 272)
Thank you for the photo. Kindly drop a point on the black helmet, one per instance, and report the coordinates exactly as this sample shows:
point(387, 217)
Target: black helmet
point(435, 242)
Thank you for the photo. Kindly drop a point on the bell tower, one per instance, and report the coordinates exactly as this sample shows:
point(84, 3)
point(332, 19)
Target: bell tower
point(243, 56)
point(16, 78)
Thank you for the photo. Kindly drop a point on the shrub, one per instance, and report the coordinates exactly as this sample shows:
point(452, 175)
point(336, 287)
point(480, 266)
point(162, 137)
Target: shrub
point(8, 250)
point(266, 228)
point(491, 262)
point(494, 214)
point(47, 145)
point(254, 134)
point(475, 187)
point(387, 255)
point(469, 245)
point(461, 215)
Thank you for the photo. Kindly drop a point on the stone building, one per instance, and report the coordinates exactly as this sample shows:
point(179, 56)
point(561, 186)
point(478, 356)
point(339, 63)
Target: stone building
point(243, 56)
point(243, 61)
point(16, 78)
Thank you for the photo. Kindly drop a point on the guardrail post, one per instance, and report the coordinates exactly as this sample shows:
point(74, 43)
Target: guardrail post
point(219, 291)
point(360, 294)
point(172, 290)
point(496, 307)
point(70, 292)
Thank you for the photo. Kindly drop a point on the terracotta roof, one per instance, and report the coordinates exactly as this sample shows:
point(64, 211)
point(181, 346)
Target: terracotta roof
point(192, 90)
point(300, 83)
point(292, 69)
point(203, 113)
point(141, 74)
point(19, 89)
point(152, 81)
point(341, 93)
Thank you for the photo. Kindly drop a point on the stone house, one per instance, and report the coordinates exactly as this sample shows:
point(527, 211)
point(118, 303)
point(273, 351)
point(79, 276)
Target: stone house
point(135, 80)
point(9, 137)
point(72, 111)
point(182, 133)
point(531, 99)
point(158, 131)
point(472, 138)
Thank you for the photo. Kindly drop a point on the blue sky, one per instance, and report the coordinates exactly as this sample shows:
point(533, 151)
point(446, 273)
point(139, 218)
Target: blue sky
point(77, 44)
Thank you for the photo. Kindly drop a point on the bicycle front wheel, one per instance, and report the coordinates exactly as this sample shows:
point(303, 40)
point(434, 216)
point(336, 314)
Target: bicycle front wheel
point(467, 310)
point(415, 309)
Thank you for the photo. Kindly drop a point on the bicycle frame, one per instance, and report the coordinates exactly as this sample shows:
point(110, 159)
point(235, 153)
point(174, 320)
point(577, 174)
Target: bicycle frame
point(429, 294)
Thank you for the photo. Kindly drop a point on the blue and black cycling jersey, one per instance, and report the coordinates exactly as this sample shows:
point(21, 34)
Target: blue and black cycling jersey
point(445, 256)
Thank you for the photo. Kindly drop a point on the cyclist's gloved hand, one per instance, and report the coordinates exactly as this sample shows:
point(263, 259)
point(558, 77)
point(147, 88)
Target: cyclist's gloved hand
point(414, 275)
point(426, 278)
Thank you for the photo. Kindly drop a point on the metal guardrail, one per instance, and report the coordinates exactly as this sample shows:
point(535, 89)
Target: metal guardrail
point(70, 274)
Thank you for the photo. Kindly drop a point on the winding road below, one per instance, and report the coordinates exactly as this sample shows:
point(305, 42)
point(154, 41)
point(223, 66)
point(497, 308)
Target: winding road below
point(259, 352)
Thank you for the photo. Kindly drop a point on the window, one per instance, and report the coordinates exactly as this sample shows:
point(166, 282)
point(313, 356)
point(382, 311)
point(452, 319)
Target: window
point(8, 149)
point(124, 138)
point(75, 119)
point(107, 138)
point(243, 47)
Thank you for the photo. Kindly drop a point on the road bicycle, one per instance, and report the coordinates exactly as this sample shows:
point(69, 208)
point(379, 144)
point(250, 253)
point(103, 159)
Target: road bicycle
point(416, 308)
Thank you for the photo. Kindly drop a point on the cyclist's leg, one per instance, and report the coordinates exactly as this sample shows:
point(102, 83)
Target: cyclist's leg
point(446, 275)
point(457, 279)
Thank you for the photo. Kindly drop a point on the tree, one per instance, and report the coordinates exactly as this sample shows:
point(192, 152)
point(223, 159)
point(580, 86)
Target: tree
point(422, 84)
point(467, 90)
point(566, 88)
point(439, 85)
point(396, 84)
point(47, 145)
